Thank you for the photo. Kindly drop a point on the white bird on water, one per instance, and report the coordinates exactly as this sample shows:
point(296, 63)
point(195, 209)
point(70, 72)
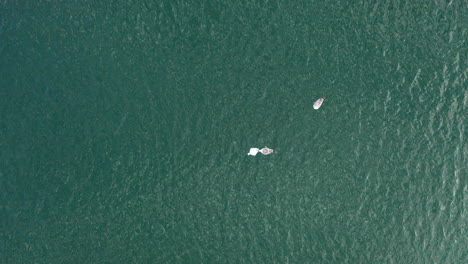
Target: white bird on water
point(264, 151)
point(318, 103)
point(268, 151)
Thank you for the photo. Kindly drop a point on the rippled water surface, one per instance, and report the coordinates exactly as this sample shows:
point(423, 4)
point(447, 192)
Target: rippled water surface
point(125, 128)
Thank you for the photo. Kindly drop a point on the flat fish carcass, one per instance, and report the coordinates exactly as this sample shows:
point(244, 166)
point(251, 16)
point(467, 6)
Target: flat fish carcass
point(318, 103)
point(266, 151)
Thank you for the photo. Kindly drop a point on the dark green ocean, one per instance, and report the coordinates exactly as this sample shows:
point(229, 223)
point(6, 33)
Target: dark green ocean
point(125, 127)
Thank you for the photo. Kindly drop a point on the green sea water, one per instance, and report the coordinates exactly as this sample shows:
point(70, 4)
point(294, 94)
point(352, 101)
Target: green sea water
point(125, 127)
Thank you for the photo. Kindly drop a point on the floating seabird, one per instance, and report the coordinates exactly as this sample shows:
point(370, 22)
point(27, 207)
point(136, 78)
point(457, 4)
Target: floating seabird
point(318, 103)
point(253, 151)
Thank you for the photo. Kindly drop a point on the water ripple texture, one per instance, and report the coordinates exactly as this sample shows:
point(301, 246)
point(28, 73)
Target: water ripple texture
point(125, 127)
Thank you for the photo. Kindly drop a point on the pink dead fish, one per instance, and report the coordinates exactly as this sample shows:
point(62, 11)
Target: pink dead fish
point(318, 103)
point(264, 151)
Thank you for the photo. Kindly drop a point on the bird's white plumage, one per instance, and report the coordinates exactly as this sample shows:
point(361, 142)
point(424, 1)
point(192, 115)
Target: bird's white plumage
point(318, 103)
point(253, 151)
